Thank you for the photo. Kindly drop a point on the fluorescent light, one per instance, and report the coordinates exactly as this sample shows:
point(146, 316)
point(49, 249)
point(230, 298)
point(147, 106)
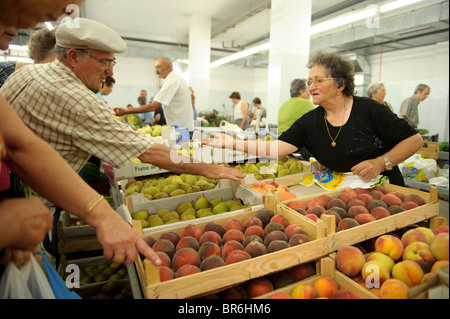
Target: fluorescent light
point(362, 14)
point(16, 58)
point(241, 54)
point(18, 47)
point(49, 25)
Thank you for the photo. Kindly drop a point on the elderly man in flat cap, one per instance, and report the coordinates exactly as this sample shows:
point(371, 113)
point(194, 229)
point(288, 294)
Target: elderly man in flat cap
point(55, 100)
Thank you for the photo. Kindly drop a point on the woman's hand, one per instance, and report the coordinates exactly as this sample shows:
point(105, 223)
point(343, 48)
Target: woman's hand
point(369, 169)
point(220, 141)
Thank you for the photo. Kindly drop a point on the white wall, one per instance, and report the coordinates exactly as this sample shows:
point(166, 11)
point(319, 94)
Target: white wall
point(402, 71)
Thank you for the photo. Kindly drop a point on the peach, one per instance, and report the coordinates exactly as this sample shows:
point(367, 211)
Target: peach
point(281, 279)
point(324, 198)
point(365, 198)
point(280, 219)
point(255, 249)
point(351, 192)
point(337, 217)
point(265, 214)
point(150, 240)
point(209, 248)
point(350, 260)
point(165, 246)
point(408, 205)
point(345, 197)
point(211, 262)
point(191, 230)
point(293, 229)
point(313, 217)
point(270, 227)
point(237, 256)
point(394, 289)
point(376, 203)
point(298, 239)
point(376, 194)
point(296, 204)
point(380, 212)
point(304, 291)
point(325, 286)
point(398, 194)
point(395, 209)
point(415, 199)
point(341, 211)
point(287, 196)
point(234, 223)
point(391, 199)
point(277, 245)
point(438, 264)
point(258, 286)
point(172, 236)
point(389, 245)
point(188, 242)
point(313, 202)
point(380, 189)
point(275, 235)
point(375, 272)
point(280, 295)
point(414, 235)
point(235, 292)
point(439, 246)
point(212, 226)
point(302, 271)
point(254, 230)
point(210, 236)
point(409, 272)
point(187, 270)
point(360, 281)
point(382, 258)
point(251, 238)
point(344, 294)
point(165, 273)
point(301, 211)
point(355, 202)
point(362, 219)
point(230, 246)
point(336, 202)
point(420, 253)
point(427, 232)
point(356, 210)
point(375, 291)
point(441, 229)
point(233, 234)
point(252, 221)
point(165, 259)
point(347, 223)
point(185, 256)
point(360, 190)
point(316, 210)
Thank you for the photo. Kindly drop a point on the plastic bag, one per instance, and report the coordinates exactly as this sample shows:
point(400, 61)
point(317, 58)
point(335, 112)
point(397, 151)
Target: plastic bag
point(439, 181)
point(419, 168)
point(230, 127)
point(28, 282)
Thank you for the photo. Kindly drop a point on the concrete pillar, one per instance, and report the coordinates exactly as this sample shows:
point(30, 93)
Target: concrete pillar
point(289, 50)
point(199, 58)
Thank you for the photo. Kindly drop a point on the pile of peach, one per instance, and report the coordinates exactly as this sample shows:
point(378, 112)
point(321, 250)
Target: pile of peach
point(354, 207)
point(396, 263)
point(264, 187)
point(196, 249)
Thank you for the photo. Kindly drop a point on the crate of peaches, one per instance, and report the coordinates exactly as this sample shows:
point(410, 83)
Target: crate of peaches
point(227, 251)
point(359, 214)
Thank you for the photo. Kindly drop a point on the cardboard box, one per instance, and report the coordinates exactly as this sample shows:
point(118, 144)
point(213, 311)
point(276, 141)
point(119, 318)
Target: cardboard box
point(429, 150)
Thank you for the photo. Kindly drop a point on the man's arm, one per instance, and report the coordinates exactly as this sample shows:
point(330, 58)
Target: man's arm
point(142, 109)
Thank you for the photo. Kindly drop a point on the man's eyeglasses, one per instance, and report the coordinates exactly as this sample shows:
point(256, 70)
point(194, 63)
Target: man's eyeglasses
point(107, 63)
point(318, 81)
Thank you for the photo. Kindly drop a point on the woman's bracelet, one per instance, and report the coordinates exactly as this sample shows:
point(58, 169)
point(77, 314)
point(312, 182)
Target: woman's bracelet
point(89, 207)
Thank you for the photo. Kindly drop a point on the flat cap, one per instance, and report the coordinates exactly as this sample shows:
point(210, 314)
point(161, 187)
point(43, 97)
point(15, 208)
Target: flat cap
point(81, 33)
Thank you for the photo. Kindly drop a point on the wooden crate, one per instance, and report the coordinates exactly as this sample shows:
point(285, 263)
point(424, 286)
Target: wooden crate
point(429, 150)
point(223, 277)
point(326, 267)
point(382, 226)
point(434, 287)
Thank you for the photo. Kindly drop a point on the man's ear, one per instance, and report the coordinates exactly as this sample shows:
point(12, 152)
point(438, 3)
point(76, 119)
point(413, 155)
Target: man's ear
point(73, 57)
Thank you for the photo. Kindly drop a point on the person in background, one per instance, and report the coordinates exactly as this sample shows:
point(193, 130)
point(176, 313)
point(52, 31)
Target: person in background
point(193, 102)
point(294, 108)
point(240, 111)
point(409, 110)
point(174, 97)
point(345, 133)
point(159, 117)
point(55, 101)
point(257, 104)
point(40, 49)
point(107, 87)
point(376, 91)
point(147, 117)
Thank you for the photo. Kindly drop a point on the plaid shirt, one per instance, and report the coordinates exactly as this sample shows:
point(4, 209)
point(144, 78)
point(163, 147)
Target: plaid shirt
point(56, 105)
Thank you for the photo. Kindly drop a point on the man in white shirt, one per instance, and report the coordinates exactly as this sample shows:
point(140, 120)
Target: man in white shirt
point(174, 96)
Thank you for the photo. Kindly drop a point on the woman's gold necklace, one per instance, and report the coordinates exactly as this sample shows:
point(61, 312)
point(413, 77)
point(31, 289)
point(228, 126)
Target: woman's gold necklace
point(333, 140)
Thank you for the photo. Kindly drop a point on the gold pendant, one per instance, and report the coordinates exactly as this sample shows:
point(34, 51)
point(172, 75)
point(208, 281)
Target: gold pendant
point(333, 144)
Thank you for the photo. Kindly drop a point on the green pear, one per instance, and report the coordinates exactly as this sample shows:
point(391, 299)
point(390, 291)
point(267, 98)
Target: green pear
point(200, 212)
point(151, 190)
point(200, 182)
point(190, 179)
point(213, 202)
point(200, 203)
point(187, 217)
point(203, 178)
point(170, 216)
point(177, 192)
point(208, 186)
point(183, 207)
point(251, 169)
point(145, 223)
point(205, 214)
point(156, 222)
point(140, 215)
point(283, 172)
point(294, 169)
point(237, 207)
point(185, 186)
point(220, 208)
point(169, 188)
point(132, 189)
point(160, 195)
point(231, 203)
point(177, 180)
point(161, 212)
point(151, 217)
point(194, 189)
point(189, 211)
point(161, 184)
point(149, 197)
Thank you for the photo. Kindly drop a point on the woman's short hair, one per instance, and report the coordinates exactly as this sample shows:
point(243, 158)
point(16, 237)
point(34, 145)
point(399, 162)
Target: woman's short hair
point(257, 100)
point(337, 66)
point(235, 95)
point(41, 44)
point(373, 88)
point(297, 85)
